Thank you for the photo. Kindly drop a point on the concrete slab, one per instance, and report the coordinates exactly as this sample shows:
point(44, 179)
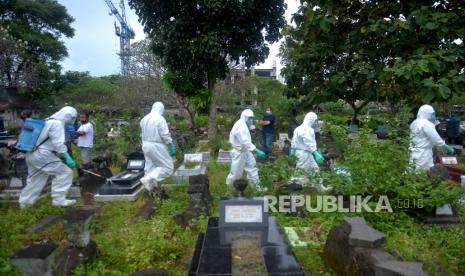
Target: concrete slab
point(445, 210)
point(224, 156)
point(193, 157)
point(130, 197)
point(182, 174)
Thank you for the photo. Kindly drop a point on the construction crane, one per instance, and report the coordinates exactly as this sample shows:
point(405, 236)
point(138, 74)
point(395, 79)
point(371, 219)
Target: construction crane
point(125, 34)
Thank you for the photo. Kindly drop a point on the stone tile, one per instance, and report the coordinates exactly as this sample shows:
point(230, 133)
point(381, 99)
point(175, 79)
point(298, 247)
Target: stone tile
point(396, 268)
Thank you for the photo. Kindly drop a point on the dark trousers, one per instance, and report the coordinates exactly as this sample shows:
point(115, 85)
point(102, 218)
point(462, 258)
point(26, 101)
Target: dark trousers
point(453, 140)
point(267, 142)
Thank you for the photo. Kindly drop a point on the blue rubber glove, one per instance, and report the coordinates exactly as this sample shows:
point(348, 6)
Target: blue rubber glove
point(293, 152)
point(318, 157)
point(69, 160)
point(260, 153)
point(450, 150)
point(172, 149)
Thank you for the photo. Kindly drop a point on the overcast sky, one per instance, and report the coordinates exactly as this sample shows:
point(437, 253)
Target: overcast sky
point(94, 46)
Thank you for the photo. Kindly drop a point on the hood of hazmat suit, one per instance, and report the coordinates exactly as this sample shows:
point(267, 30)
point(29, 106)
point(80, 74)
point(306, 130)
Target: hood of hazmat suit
point(239, 137)
point(423, 137)
point(154, 127)
point(67, 116)
point(54, 129)
point(304, 142)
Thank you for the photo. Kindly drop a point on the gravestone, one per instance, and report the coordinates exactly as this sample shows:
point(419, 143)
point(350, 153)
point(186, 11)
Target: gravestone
point(80, 248)
point(239, 186)
point(205, 156)
point(14, 177)
point(224, 156)
point(193, 157)
point(35, 260)
point(396, 268)
point(77, 226)
point(223, 249)
point(71, 258)
point(354, 248)
point(125, 185)
point(183, 173)
point(199, 190)
point(200, 198)
point(146, 211)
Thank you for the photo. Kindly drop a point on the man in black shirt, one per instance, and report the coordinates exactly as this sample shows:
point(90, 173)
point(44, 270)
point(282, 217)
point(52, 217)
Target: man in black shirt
point(268, 129)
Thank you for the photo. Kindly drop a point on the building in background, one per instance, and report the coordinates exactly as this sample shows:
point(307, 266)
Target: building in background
point(239, 73)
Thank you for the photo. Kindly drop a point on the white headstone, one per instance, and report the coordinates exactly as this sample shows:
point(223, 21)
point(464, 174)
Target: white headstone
point(283, 136)
point(193, 157)
point(243, 214)
point(449, 160)
point(445, 210)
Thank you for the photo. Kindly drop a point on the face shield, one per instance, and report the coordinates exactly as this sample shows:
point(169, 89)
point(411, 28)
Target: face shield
point(249, 123)
point(432, 118)
point(70, 123)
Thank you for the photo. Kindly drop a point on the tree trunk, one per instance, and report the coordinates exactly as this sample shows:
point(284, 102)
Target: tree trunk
point(191, 116)
point(357, 109)
point(211, 76)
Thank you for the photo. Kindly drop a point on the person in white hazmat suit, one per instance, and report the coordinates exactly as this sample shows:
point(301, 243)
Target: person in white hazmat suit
point(424, 137)
point(304, 147)
point(45, 161)
point(157, 146)
point(241, 154)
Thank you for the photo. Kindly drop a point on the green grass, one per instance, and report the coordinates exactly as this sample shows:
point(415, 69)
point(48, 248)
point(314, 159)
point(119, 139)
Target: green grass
point(126, 246)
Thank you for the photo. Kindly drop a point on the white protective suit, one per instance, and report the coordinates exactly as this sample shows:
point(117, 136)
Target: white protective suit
point(303, 141)
point(44, 163)
point(423, 137)
point(155, 140)
point(241, 154)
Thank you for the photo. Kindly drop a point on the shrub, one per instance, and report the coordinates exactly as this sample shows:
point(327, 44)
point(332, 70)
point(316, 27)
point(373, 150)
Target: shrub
point(201, 121)
point(383, 169)
point(218, 143)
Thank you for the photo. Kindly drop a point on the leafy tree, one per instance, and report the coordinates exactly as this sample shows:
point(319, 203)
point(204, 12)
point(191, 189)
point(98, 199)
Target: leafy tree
point(38, 26)
point(361, 51)
point(191, 92)
point(202, 36)
point(143, 62)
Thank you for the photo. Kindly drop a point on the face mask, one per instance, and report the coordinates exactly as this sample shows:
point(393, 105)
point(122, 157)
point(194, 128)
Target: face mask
point(432, 118)
point(70, 123)
point(249, 123)
point(268, 112)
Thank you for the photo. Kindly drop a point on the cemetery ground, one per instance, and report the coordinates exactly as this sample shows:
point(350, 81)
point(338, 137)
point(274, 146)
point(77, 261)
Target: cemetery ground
point(126, 246)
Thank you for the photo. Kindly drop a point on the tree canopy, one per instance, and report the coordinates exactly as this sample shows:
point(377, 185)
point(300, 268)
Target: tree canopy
point(362, 51)
point(201, 36)
point(37, 26)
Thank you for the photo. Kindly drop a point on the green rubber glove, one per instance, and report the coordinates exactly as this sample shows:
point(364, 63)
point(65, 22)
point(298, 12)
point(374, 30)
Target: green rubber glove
point(450, 150)
point(293, 152)
point(172, 149)
point(69, 160)
point(260, 153)
point(318, 157)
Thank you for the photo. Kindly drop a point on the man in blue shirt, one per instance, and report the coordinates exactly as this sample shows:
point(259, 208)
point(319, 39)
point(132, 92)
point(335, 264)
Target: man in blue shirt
point(267, 130)
point(452, 130)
